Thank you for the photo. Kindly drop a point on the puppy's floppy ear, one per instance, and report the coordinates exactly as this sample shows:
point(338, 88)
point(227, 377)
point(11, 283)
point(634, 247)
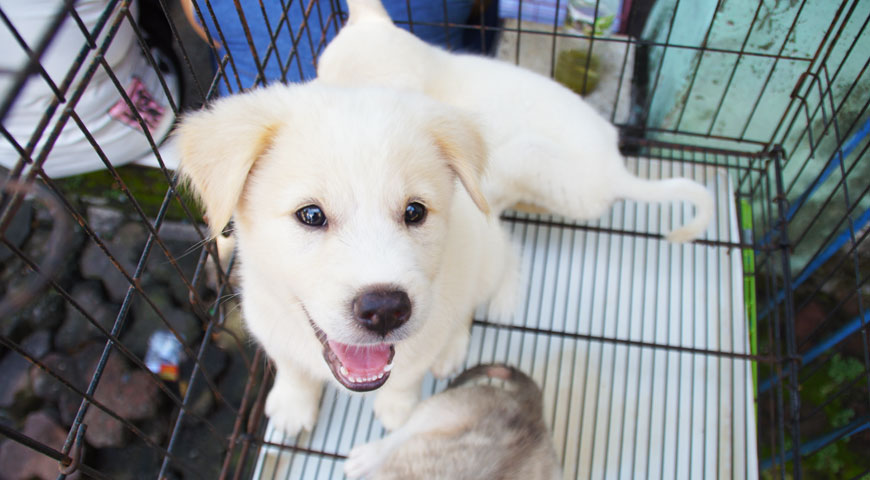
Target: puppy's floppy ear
point(219, 145)
point(461, 143)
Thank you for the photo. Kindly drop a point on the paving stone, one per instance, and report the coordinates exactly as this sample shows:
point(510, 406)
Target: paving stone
point(44, 384)
point(15, 386)
point(76, 329)
point(18, 462)
point(131, 395)
point(104, 220)
point(215, 361)
point(161, 271)
point(51, 390)
point(146, 321)
point(18, 229)
point(43, 312)
point(37, 344)
point(126, 247)
point(204, 450)
point(14, 378)
point(131, 462)
point(94, 264)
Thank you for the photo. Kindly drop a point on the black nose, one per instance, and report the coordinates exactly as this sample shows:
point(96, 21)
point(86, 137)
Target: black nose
point(382, 311)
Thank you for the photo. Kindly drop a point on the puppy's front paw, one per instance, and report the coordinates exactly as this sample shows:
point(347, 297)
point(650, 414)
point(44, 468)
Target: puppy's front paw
point(452, 357)
point(393, 409)
point(363, 460)
point(292, 409)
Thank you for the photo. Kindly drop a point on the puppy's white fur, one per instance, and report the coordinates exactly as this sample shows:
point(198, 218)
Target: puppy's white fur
point(548, 148)
point(361, 154)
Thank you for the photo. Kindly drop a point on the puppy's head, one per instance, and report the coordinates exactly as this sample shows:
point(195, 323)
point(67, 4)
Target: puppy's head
point(341, 200)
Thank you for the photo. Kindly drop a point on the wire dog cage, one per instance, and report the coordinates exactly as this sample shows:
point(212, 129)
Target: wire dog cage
point(744, 354)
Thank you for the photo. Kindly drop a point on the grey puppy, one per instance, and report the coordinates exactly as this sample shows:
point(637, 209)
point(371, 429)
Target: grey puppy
point(471, 430)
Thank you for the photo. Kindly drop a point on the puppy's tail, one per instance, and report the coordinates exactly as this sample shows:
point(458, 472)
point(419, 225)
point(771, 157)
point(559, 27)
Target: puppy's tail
point(364, 10)
point(671, 189)
point(525, 387)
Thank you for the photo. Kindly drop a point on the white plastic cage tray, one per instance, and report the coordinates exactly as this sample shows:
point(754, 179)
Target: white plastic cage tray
point(617, 409)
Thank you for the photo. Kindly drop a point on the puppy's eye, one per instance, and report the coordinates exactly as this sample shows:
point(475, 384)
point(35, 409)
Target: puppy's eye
point(415, 213)
point(311, 215)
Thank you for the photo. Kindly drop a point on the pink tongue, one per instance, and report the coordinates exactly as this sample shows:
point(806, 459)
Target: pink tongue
point(362, 359)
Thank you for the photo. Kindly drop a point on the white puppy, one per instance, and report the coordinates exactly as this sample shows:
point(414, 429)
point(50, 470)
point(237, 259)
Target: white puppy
point(361, 256)
point(547, 147)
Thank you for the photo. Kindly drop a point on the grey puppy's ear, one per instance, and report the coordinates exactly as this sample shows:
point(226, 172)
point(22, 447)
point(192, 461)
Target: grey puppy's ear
point(219, 146)
point(460, 142)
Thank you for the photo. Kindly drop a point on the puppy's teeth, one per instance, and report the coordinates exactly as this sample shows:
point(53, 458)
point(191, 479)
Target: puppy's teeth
point(388, 368)
point(343, 370)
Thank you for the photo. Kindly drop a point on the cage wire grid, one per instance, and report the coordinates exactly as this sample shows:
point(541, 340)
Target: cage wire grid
point(777, 185)
point(575, 344)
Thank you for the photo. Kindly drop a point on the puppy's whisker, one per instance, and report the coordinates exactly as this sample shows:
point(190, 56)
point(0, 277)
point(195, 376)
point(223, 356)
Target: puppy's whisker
point(230, 296)
point(196, 245)
point(235, 306)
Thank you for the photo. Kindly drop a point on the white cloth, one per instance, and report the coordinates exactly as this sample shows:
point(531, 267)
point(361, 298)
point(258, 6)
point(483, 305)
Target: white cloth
point(101, 107)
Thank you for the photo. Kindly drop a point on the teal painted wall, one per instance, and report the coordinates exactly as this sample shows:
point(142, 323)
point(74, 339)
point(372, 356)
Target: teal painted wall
point(745, 85)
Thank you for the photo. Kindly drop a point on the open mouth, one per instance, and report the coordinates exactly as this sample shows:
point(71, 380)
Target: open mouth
point(360, 368)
